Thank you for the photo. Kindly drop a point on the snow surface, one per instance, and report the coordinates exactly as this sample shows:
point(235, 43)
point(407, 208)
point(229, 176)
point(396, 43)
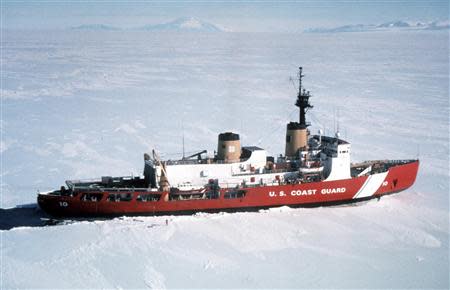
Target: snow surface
point(80, 104)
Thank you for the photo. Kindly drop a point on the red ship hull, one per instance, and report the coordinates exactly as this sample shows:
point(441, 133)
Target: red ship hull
point(397, 178)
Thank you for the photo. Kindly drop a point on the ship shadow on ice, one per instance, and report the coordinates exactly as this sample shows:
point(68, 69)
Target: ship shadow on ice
point(28, 215)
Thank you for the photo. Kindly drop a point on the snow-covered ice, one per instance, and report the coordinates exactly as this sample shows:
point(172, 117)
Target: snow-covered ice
point(80, 104)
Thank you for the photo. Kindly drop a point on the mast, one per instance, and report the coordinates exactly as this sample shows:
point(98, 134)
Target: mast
point(182, 126)
point(183, 145)
point(297, 132)
point(302, 100)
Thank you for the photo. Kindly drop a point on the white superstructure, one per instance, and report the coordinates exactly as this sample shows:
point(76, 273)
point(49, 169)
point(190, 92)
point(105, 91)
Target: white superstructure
point(326, 159)
point(199, 172)
point(307, 158)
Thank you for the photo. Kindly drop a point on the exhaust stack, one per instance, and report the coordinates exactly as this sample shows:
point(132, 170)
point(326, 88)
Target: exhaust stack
point(229, 147)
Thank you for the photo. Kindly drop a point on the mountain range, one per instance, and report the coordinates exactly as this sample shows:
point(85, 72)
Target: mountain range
point(191, 24)
point(186, 24)
point(387, 26)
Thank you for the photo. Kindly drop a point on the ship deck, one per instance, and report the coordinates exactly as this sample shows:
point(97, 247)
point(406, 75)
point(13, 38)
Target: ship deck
point(126, 184)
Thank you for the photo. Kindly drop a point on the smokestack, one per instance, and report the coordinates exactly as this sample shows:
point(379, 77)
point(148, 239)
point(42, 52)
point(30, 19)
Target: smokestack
point(229, 147)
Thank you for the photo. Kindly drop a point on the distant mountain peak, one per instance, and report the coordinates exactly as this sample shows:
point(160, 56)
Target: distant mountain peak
point(189, 22)
point(184, 24)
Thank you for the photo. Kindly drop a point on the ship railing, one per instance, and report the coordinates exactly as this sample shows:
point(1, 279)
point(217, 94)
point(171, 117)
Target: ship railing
point(182, 162)
point(91, 180)
point(109, 189)
point(97, 180)
point(202, 161)
point(265, 171)
point(401, 161)
point(227, 162)
point(239, 185)
point(377, 166)
point(386, 161)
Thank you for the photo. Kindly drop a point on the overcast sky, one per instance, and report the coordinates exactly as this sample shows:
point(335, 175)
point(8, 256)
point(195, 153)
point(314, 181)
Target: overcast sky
point(285, 16)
